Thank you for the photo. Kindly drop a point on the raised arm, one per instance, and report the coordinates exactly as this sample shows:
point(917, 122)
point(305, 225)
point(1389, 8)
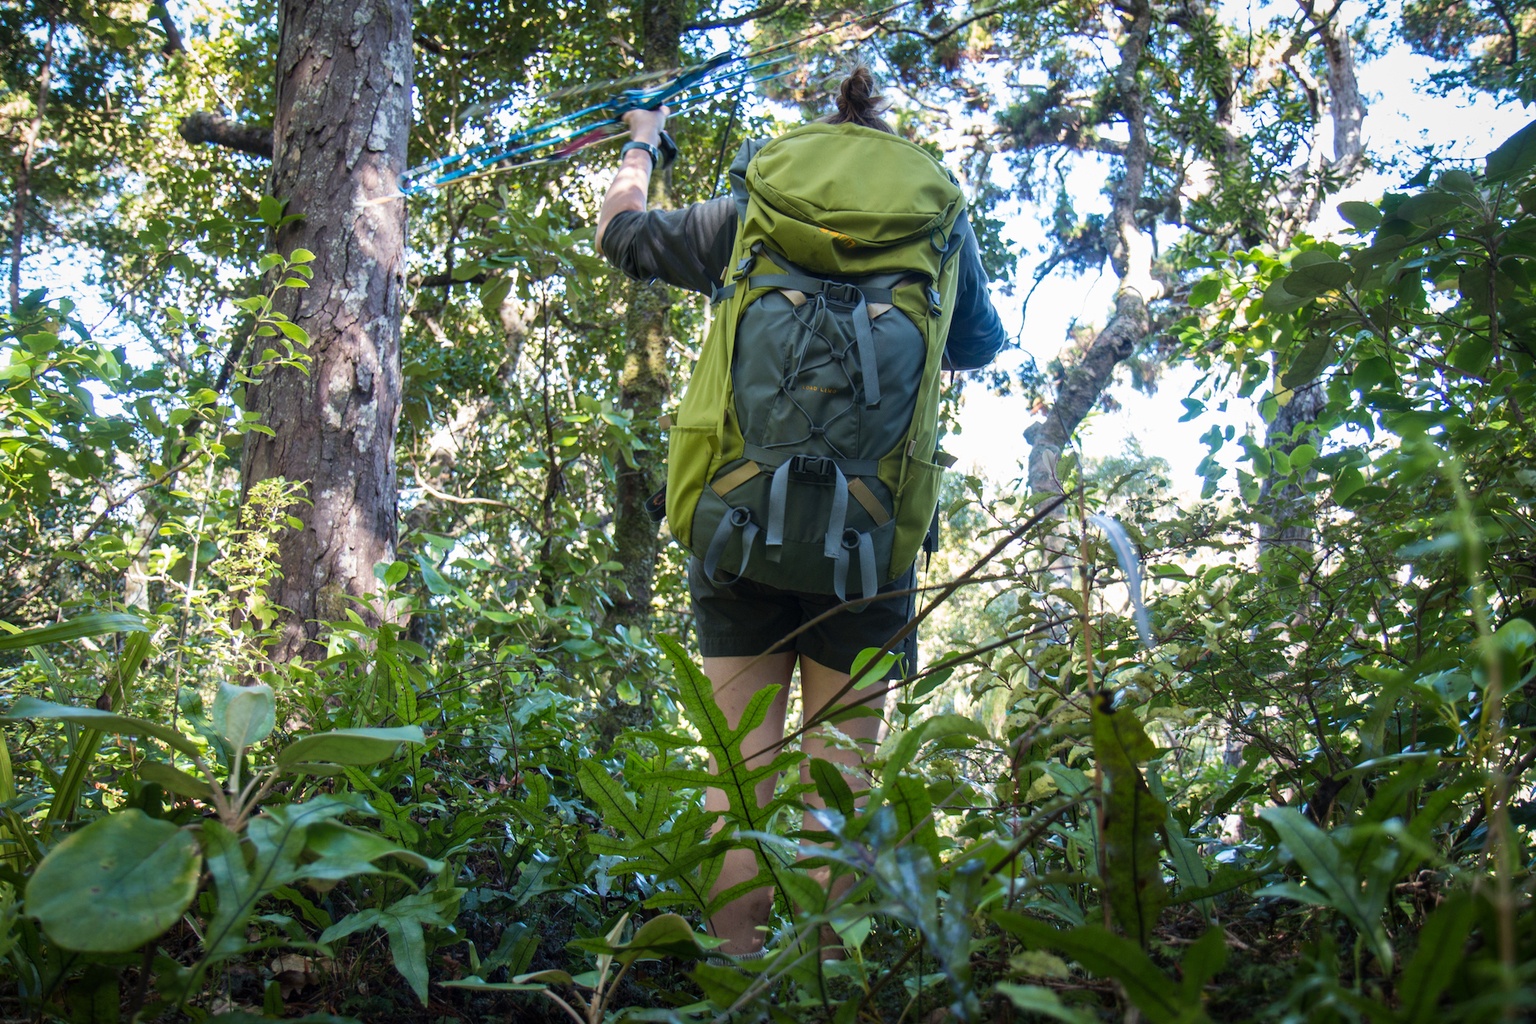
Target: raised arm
point(632, 183)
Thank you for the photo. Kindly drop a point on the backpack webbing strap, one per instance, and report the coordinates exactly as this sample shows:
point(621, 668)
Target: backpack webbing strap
point(739, 519)
point(864, 544)
point(866, 497)
point(775, 457)
point(724, 485)
point(778, 499)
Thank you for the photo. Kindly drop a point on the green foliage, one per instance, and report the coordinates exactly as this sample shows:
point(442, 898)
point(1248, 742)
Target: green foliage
point(1310, 801)
point(115, 884)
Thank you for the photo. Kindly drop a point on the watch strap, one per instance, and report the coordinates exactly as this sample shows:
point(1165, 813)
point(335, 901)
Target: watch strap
point(652, 150)
point(662, 156)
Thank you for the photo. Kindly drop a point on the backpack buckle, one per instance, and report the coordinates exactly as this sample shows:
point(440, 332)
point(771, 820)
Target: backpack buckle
point(812, 469)
point(935, 304)
point(842, 292)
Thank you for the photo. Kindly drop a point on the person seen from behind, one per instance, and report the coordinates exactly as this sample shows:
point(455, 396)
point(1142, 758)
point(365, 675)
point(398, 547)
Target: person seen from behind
point(754, 593)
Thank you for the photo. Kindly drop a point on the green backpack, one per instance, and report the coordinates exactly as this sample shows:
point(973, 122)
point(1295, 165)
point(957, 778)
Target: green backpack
point(803, 453)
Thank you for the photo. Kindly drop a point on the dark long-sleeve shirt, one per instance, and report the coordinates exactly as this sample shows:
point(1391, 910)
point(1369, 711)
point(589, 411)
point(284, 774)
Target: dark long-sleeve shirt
point(689, 248)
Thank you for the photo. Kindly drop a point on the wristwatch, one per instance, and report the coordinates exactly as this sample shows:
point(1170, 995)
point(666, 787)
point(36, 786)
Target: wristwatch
point(660, 157)
point(637, 144)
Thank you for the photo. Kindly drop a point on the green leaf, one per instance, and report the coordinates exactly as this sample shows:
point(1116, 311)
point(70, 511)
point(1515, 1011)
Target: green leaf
point(1317, 278)
point(270, 211)
point(1371, 372)
point(1132, 819)
point(493, 292)
point(432, 578)
point(1279, 300)
point(1426, 208)
point(735, 779)
point(241, 1017)
point(1362, 216)
point(832, 787)
point(538, 984)
point(939, 727)
point(333, 851)
point(1316, 355)
point(1110, 956)
point(95, 624)
point(103, 721)
point(244, 715)
point(1202, 961)
point(1205, 291)
point(349, 746)
point(116, 884)
point(173, 780)
point(95, 996)
point(618, 810)
point(663, 935)
point(1039, 1000)
point(1442, 942)
point(1333, 885)
point(301, 256)
point(1188, 866)
point(1515, 155)
point(404, 922)
point(293, 332)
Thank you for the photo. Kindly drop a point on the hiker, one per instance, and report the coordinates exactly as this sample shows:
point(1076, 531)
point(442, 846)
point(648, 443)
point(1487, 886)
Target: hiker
point(750, 584)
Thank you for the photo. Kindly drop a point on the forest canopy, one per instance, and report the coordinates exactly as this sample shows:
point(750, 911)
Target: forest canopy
point(346, 677)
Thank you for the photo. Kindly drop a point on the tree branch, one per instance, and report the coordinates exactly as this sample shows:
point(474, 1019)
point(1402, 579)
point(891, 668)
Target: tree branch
point(216, 129)
point(949, 30)
point(432, 44)
point(446, 280)
point(1130, 253)
point(740, 19)
point(173, 40)
point(1085, 382)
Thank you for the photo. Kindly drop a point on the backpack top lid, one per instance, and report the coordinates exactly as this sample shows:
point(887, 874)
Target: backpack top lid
point(839, 188)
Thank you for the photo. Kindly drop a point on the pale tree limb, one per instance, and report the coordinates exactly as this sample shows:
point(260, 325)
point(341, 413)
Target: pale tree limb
point(1130, 254)
point(30, 139)
point(1340, 113)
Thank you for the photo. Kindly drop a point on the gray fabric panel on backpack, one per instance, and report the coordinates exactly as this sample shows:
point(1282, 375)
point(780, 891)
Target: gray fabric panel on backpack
point(799, 381)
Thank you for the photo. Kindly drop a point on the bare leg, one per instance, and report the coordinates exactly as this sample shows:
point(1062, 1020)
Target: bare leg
point(735, 681)
point(819, 687)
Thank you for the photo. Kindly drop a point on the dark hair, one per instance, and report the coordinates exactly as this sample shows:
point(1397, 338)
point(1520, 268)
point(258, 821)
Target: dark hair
point(857, 101)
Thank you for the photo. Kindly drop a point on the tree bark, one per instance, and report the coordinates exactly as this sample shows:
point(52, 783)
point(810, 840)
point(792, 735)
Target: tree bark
point(643, 388)
point(643, 380)
point(29, 139)
point(1130, 254)
point(216, 129)
point(343, 115)
point(1341, 112)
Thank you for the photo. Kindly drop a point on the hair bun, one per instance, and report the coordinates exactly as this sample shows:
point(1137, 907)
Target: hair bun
point(856, 96)
point(858, 102)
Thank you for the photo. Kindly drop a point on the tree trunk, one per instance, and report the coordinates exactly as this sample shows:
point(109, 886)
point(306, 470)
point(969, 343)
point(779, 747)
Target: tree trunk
point(342, 120)
point(1340, 113)
point(643, 388)
point(29, 140)
point(643, 383)
point(1130, 254)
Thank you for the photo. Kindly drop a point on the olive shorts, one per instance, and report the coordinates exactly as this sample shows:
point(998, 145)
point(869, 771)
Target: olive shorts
point(747, 618)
